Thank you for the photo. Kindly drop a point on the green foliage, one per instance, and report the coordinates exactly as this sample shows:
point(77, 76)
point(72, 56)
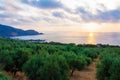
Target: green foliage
point(75, 62)
point(13, 61)
point(6, 60)
point(20, 57)
point(108, 67)
point(90, 53)
point(103, 68)
point(3, 76)
point(55, 60)
point(51, 67)
point(88, 60)
point(115, 70)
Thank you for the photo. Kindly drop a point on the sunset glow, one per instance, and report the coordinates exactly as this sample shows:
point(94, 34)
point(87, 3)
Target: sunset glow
point(91, 27)
point(57, 15)
point(60, 39)
point(91, 38)
point(91, 34)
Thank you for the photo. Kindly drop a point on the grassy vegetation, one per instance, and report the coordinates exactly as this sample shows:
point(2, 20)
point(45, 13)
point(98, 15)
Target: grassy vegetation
point(53, 61)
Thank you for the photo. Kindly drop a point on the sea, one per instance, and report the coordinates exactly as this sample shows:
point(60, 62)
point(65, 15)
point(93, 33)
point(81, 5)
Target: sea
point(111, 38)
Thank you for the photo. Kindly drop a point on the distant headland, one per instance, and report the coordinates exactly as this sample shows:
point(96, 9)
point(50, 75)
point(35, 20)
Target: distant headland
point(8, 31)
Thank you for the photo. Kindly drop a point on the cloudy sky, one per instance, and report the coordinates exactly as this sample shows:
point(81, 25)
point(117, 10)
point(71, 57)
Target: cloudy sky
point(62, 15)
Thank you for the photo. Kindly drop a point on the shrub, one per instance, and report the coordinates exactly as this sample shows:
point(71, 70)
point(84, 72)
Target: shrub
point(88, 60)
point(13, 61)
point(103, 68)
point(90, 53)
point(49, 67)
point(75, 62)
point(115, 69)
point(6, 60)
point(4, 77)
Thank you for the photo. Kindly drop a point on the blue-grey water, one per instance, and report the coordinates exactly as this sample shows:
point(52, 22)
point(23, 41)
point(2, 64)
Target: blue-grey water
point(77, 37)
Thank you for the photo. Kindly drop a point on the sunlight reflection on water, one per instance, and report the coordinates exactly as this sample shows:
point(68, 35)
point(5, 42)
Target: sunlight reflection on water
point(78, 37)
point(91, 38)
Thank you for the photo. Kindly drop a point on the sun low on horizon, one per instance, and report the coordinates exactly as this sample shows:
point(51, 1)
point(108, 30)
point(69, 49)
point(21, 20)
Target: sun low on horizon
point(91, 27)
point(62, 15)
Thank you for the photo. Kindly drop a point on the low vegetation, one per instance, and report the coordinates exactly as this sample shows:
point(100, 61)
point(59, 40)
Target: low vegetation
point(108, 67)
point(4, 77)
point(56, 61)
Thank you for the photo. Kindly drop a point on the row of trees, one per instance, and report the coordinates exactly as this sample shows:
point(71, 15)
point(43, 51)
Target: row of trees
point(45, 61)
point(108, 67)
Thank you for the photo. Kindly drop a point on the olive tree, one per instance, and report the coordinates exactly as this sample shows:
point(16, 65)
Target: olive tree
point(75, 62)
point(50, 67)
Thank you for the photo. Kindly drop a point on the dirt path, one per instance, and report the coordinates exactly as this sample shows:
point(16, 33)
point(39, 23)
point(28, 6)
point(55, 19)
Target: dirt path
point(89, 73)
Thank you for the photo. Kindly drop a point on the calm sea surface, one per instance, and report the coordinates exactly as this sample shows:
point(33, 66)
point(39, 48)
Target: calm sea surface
point(77, 37)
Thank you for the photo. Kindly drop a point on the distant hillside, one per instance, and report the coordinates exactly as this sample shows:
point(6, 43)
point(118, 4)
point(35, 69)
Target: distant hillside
point(8, 31)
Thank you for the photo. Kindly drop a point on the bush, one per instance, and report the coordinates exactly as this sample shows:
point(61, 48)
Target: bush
point(88, 60)
point(20, 57)
point(49, 67)
point(90, 53)
point(13, 61)
point(6, 60)
point(103, 68)
point(4, 77)
point(75, 62)
point(115, 70)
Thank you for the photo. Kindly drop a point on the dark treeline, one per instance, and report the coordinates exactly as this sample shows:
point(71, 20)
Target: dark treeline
point(49, 61)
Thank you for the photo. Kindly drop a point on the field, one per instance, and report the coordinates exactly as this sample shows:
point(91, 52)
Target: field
point(21, 60)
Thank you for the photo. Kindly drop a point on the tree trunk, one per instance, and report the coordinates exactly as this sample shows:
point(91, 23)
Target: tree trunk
point(72, 72)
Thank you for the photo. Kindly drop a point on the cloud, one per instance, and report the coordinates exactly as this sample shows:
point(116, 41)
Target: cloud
point(54, 12)
point(46, 4)
point(5, 15)
point(1, 8)
point(109, 16)
point(9, 13)
point(101, 16)
point(58, 14)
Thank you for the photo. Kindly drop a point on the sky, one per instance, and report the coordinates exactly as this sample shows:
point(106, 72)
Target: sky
point(62, 15)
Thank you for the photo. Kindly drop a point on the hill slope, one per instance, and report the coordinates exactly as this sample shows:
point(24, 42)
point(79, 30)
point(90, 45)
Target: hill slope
point(8, 31)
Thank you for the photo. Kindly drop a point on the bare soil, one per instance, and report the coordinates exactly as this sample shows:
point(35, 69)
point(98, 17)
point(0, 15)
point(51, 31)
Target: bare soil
point(18, 76)
point(89, 73)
